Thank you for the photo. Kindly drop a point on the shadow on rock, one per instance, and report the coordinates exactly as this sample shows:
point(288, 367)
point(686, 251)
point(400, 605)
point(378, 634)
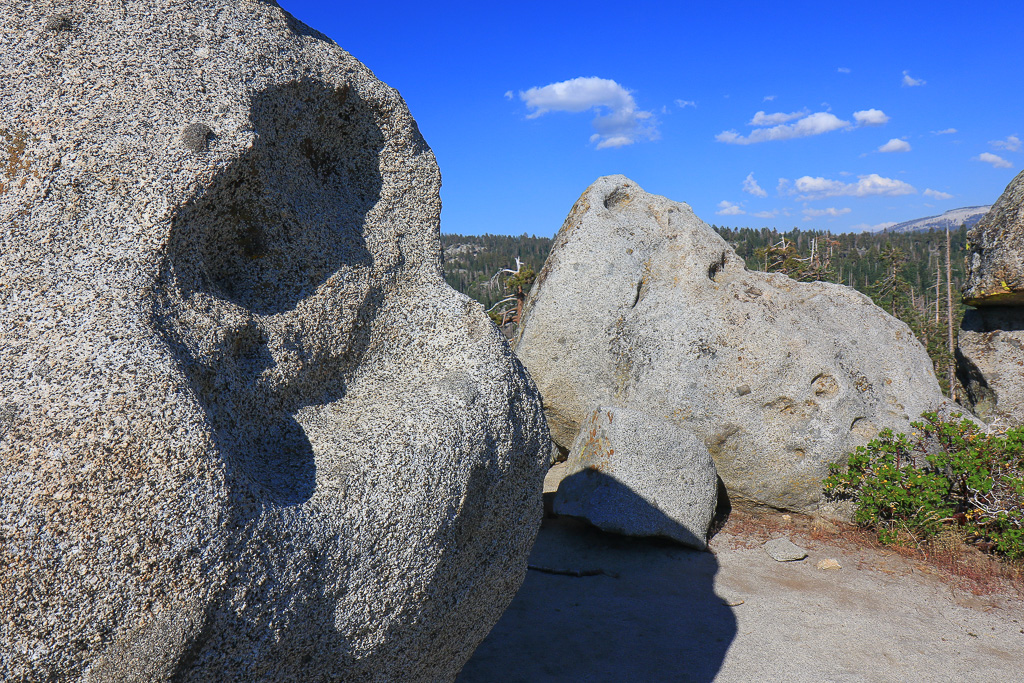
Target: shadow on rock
point(267, 298)
point(993, 319)
point(611, 505)
point(652, 615)
point(266, 290)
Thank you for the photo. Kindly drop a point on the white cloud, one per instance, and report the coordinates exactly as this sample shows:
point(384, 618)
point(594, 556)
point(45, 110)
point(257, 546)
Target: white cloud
point(870, 117)
point(994, 159)
point(729, 209)
point(768, 98)
point(843, 70)
point(1010, 144)
point(766, 214)
point(762, 119)
point(946, 131)
point(509, 95)
point(909, 81)
point(813, 124)
point(576, 95)
point(618, 122)
point(612, 141)
point(683, 104)
point(830, 212)
point(935, 194)
point(895, 145)
point(750, 186)
point(866, 186)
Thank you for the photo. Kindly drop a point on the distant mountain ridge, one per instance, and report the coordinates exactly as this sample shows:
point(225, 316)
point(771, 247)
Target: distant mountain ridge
point(952, 219)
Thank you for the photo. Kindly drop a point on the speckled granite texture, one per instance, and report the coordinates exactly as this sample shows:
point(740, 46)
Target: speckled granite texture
point(247, 432)
point(641, 305)
point(995, 261)
point(635, 474)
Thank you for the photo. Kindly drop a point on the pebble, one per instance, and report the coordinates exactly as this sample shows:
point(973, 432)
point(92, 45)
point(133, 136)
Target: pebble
point(784, 550)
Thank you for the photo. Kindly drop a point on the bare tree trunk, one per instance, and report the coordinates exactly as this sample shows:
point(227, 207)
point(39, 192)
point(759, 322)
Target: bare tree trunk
point(938, 293)
point(949, 317)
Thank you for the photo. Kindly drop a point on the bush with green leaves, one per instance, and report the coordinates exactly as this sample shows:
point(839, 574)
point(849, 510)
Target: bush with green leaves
point(947, 471)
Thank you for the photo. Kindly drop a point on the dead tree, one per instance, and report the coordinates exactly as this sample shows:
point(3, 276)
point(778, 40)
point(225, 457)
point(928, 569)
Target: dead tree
point(517, 299)
point(949, 318)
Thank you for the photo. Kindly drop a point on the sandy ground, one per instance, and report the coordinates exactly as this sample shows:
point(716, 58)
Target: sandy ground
point(661, 612)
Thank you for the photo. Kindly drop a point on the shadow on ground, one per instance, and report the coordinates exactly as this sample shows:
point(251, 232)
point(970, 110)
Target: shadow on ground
point(652, 616)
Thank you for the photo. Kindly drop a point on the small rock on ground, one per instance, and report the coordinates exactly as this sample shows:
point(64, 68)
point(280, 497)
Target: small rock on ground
point(784, 550)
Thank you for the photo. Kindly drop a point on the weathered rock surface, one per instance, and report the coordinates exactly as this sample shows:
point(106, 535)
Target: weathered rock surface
point(638, 475)
point(642, 305)
point(229, 452)
point(996, 261)
point(990, 363)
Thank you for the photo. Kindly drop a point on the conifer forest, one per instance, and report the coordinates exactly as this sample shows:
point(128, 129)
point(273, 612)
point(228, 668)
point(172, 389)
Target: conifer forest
point(903, 273)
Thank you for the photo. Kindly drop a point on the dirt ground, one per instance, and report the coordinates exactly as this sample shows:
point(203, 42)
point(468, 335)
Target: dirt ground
point(651, 610)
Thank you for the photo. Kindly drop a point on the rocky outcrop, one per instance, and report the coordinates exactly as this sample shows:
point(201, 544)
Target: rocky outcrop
point(990, 363)
point(229, 450)
point(990, 345)
point(635, 474)
point(642, 305)
point(996, 252)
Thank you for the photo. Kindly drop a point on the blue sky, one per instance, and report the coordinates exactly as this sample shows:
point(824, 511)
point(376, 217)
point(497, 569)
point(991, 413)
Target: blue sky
point(837, 116)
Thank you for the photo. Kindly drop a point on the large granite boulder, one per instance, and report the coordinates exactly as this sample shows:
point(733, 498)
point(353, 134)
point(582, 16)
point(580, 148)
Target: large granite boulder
point(247, 431)
point(996, 252)
point(990, 363)
point(638, 475)
point(642, 305)
point(990, 346)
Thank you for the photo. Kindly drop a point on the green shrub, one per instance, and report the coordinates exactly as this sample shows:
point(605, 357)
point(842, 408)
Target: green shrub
point(946, 471)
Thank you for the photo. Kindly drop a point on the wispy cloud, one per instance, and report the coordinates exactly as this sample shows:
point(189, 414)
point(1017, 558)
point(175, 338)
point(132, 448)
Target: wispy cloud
point(729, 209)
point(895, 145)
point(843, 70)
point(910, 82)
point(618, 121)
point(812, 124)
point(810, 188)
point(768, 98)
point(830, 212)
point(509, 95)
point(945, 131)
point(1010, 144)
point(762, 119)
point(683, 104)
point(870, 117)
point(766, 214)
point(935, 194)
point(994, 159)
point(750, 186)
